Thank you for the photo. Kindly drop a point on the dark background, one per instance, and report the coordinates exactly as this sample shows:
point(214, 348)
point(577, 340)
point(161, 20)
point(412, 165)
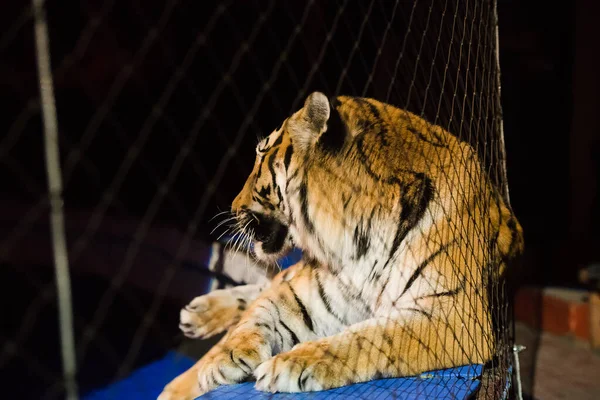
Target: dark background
point(111, 76)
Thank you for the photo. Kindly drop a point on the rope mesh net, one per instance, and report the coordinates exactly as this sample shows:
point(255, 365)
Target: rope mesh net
point(160, 105)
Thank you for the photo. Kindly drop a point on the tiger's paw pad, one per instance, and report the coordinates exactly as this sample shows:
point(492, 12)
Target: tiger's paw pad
point(208, 315)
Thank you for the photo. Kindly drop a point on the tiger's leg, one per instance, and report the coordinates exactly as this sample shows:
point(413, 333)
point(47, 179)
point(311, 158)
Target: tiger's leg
point(185, 386)
point(272, 323)
point(290, 312)
point(217, 311)
point(372, 349)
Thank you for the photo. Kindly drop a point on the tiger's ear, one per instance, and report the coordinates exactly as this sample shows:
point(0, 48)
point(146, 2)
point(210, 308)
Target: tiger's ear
point(313, 125)
point(306, 125)
point(316, 111)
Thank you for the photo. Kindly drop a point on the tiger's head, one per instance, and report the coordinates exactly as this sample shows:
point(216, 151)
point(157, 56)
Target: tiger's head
point(334, 180)
point(264, 208)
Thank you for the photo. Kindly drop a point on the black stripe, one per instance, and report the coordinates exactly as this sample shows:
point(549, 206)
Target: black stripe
point(272, 168)
point(280, 337)
point(275, 308)
point(263, 203)
point(303, 193)
point(361, 242)
point(247, 370)
point(278, 315)
point(424, 138)
point(264, 192)
point(424, 264)
point(325, 298)
point(419, 311)
point(293, 336)
point(364, 158)
point(214, 377)
point(447, 293)
point(287, 158)
point(268, 310)
point(374, 274)
point(275, 379)
point(260, 164)
point(376, 277)
point(380, 128)
point(278, 140)
point(373, 270)
point(512, 225)
point(362, 239)
point(262, 325)
point(293, 175)
point(414, 201)
point(305, 316)
point(302, 378)
point(367, 104)
point(383, 287)
point(373, 109)
point(346, 201)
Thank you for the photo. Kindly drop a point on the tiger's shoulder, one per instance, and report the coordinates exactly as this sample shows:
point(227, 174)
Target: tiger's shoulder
point(393, 140)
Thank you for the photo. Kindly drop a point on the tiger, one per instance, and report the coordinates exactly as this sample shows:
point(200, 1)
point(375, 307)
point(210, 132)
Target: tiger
point(401, 231)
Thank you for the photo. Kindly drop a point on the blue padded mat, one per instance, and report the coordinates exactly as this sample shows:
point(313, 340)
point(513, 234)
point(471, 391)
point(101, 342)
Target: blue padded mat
point(453, 383)
point(146, 382)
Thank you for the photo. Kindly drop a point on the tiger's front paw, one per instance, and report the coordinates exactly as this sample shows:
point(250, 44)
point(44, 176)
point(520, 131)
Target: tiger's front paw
point(234, 361)
point(307, 367)
point(210, 314)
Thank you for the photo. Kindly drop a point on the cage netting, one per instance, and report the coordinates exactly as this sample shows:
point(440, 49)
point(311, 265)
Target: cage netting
point(159, 107)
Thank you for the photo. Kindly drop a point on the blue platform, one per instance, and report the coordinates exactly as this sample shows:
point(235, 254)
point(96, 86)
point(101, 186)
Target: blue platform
point(454, 383)
point(147, 382)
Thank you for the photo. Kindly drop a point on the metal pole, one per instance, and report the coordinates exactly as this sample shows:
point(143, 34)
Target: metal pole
point(57, 223)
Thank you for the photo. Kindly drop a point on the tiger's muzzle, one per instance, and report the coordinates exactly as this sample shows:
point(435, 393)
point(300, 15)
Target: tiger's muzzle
point(270, 233)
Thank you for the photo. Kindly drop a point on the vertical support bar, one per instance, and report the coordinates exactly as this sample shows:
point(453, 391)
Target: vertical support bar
point(53, 171)
point(519, 387)
point(499, 120)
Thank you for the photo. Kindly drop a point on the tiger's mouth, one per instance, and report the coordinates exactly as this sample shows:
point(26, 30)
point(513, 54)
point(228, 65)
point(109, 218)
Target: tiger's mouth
point(272, 236)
